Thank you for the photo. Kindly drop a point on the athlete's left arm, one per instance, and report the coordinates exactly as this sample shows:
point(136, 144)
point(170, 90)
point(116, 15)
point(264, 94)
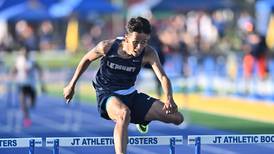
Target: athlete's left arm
point(151, 57)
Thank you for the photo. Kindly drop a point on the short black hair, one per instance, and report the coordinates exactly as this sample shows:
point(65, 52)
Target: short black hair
point(139, 25)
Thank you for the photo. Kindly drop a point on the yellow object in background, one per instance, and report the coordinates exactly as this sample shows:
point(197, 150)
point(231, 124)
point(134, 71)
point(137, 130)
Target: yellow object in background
point(255, 110)
point(270, 33)
point(72, 35)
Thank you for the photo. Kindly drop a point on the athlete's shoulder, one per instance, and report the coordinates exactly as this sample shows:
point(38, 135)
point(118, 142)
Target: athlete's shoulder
point(150, 51)
point(104, 46)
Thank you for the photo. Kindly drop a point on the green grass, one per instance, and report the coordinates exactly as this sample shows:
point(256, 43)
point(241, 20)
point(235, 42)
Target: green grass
point(50, 60)
point(56, 90)
point(229, 123)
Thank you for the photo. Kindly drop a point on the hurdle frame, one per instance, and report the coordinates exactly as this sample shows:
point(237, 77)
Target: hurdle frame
point(171, 141)
point(29, 143)
point(199, 140)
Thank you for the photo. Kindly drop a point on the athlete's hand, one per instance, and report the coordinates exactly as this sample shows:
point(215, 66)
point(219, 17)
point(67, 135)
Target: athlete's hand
point(170, 107)
point(68, 92)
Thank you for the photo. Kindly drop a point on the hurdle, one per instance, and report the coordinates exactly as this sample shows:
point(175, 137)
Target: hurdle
point(199, 140)
point(13, 117)
point(57, 142)
point(30, 143)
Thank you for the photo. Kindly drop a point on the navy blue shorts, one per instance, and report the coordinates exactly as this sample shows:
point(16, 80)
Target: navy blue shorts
point(138, 103)
point(27, 90)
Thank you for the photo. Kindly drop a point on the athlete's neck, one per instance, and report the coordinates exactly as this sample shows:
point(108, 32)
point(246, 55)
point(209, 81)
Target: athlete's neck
point(123, 50)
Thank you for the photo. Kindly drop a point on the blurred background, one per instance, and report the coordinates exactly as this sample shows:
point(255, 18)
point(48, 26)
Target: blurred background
point(217, 53)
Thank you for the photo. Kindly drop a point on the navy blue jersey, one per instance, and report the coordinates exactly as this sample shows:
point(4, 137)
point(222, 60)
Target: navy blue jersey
point(115, 72)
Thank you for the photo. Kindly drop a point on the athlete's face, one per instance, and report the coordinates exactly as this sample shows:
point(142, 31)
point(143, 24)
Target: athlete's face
point(136, 43)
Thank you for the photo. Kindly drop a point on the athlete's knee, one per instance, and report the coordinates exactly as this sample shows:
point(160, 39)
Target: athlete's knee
point(179, 119)
point(124, 116)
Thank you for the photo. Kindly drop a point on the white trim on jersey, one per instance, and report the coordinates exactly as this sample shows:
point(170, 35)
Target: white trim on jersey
point(125, 91)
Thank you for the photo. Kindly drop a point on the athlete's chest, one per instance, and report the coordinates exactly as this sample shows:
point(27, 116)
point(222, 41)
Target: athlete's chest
point(120, 64)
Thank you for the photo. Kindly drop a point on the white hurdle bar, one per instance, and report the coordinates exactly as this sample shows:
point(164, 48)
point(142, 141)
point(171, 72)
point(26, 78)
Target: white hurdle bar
point(57, 142)
point(30, 143)
point(198, 140)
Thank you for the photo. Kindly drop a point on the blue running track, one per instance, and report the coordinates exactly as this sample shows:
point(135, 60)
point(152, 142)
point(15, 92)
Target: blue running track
point(53, 118)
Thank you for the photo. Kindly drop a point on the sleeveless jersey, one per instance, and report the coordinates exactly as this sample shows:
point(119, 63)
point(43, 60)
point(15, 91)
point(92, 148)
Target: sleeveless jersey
point(117, 73)
point(26, 71)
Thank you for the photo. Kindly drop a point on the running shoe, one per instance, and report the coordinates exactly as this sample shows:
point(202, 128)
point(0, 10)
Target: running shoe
point(143, 129)
point(27, 122)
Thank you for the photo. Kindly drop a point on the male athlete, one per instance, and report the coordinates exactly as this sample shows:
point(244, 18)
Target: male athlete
point(118, 100)
point(27, 73)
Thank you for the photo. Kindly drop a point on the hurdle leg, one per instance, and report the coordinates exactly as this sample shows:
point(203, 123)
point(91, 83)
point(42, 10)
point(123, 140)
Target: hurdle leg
point(56, 146)
point(198, 145)
point(18, 119)
point(10, 117)
point(31, 146)
point(172, 146)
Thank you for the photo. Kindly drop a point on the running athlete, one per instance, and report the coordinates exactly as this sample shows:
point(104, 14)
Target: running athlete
point(117, 98)
point(26, 72)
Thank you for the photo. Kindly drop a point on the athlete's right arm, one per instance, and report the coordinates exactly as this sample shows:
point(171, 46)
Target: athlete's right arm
point(95, 53)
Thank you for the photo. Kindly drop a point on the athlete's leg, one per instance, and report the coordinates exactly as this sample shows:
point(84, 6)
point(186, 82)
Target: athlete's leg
point(120, 114)
point(32, 95)
point(156, 113)
point(23, 103)
point(23, 95)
